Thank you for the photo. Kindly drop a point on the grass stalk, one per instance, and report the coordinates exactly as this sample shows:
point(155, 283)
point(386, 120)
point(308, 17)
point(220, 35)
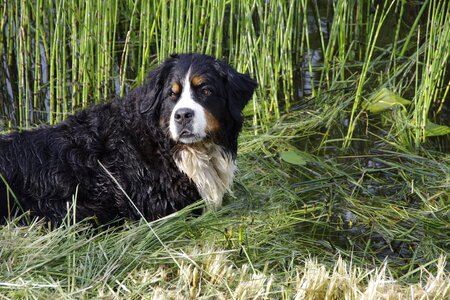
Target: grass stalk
point(435, 66)
point(75, 96)
point(372, 38)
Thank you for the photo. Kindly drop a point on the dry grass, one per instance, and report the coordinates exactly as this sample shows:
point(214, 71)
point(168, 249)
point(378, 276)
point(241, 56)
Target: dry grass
point(206, 272)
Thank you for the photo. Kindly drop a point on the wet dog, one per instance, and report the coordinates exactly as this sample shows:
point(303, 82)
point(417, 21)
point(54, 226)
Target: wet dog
point(169, 143)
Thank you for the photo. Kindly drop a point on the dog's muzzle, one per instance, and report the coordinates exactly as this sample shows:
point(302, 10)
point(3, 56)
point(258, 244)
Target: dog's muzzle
point(184, 119)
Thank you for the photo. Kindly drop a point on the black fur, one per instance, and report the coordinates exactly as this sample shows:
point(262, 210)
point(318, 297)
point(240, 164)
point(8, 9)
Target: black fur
point(45, 167)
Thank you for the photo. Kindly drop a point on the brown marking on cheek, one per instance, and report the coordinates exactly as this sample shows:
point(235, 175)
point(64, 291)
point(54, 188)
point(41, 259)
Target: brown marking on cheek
point(213, 124)
point(197, 80)
point(176, 88)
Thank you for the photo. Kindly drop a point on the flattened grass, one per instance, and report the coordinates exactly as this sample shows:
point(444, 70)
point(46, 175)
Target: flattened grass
point(373, 224)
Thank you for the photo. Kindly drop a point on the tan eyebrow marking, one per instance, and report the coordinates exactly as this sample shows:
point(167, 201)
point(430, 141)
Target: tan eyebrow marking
point(176, 88)
point(197, 80)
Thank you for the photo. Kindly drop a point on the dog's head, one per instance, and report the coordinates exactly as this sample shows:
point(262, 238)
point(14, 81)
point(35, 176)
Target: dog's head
point(196, 98)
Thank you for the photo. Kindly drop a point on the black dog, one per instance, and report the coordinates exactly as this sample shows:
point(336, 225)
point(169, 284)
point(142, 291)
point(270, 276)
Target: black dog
point(169, 143)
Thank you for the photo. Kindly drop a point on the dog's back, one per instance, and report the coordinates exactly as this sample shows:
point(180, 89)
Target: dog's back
point(36, 173)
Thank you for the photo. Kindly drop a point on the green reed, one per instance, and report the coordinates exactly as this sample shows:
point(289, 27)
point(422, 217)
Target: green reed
point(63, 55)
point(86, 50)
point(434, 67)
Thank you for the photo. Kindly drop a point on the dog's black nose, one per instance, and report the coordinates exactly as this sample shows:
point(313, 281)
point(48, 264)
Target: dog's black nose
point(184, 115)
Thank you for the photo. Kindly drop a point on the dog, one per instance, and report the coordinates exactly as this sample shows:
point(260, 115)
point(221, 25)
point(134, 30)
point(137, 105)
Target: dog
point(169, 143)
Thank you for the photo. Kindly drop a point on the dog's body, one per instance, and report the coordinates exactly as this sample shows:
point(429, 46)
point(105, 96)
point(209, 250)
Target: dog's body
point(169, 143)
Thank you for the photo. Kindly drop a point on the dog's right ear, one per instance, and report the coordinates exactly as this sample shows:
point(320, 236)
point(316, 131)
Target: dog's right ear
point(149, 93)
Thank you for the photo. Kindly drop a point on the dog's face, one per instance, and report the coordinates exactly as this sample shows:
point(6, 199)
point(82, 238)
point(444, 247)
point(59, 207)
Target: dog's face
point(200, 98)
point(195, 103)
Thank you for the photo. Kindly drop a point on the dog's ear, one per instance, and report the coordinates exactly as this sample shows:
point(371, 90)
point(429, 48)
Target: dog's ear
point(154, 85)
point(240, 88)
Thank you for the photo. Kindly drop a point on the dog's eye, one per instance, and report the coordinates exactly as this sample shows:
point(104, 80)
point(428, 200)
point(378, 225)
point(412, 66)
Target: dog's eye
point(173, 95)
point(205, 92)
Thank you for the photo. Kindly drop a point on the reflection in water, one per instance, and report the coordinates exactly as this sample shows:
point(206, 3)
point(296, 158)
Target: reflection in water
point(309, 78)
point(312, 58)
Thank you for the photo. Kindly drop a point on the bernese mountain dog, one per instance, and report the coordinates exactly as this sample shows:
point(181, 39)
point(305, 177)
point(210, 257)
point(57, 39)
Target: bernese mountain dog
point(168, 143)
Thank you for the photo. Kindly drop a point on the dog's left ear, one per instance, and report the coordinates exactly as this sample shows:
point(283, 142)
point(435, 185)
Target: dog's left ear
point(240, 88)
point(154, 85)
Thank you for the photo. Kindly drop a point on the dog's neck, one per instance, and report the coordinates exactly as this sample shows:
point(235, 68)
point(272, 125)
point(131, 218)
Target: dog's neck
point(209, 167)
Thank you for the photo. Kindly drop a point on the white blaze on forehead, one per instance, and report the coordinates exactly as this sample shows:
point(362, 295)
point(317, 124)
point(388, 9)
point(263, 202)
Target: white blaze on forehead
point(199, 121)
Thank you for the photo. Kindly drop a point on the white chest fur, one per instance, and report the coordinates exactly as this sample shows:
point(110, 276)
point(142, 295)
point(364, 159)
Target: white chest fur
point(210, 168)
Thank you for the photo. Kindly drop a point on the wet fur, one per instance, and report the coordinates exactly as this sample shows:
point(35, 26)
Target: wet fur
point(45, 167)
